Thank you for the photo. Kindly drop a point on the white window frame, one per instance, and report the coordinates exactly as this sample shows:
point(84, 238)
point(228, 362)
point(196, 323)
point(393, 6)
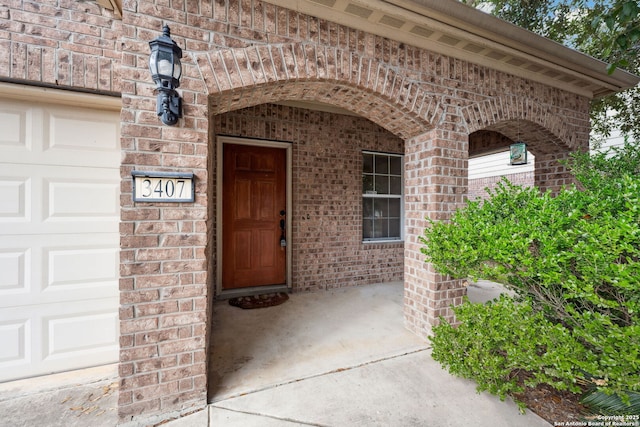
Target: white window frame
point(384, 196)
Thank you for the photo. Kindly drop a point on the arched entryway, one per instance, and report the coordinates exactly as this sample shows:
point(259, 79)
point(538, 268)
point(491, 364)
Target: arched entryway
point(431, 115)
point(329, 254)
point(379, 93)
point(435, 135)
point(548, 131)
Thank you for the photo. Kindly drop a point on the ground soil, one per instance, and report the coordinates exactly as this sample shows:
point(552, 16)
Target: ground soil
point(554, 406)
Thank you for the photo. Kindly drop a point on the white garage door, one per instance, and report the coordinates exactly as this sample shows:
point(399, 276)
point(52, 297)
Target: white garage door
point(59, 239)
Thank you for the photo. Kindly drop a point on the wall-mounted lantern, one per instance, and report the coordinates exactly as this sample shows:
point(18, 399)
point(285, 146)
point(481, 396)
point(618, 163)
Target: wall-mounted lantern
point(518, 153)
point(166, 69)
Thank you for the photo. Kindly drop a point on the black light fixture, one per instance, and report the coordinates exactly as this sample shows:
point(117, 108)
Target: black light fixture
point(166, 69)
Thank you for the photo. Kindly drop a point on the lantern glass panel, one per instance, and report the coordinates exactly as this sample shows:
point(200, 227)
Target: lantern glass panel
point(153, 62)
point(177, 69)
point(165, 67)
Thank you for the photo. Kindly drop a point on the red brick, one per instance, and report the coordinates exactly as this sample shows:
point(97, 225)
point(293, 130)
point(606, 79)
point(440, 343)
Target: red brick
point(159, 227)
point(185, 384)
point(185, 359)
point(155, 364)
point(179, 240)
point(181, 292)
point(138, 353)
point(175, 347)
point(125, 370)
point(139, 380)
point(155, 308)
point(157, 281)
point(138, 325)
point(152, 392)
point(139, 269)
point(157, 254)
point(138, 241)
point(182, 319)
point(183, 266)
point(175, 374)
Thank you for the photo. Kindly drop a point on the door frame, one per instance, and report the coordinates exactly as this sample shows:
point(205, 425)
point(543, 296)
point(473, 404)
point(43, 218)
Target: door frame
point(231, 293)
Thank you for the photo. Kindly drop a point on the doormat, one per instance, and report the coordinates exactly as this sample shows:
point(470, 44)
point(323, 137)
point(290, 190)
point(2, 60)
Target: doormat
point(259, 301)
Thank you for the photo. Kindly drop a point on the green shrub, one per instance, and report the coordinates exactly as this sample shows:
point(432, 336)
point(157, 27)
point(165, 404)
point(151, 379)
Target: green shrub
point(574, 262)
point(495, 341)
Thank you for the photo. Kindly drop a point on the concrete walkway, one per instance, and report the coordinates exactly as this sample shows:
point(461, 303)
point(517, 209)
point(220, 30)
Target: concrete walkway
point(336, 358)
point(407, 390)
point(87, 397)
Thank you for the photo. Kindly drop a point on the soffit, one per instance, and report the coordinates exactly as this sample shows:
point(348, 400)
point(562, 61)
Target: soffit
point(451, 28)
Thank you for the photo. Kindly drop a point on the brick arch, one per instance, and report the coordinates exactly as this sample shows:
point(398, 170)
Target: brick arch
point(544, 127)
point(551, 133)
point(309, 72)
point(540, 141)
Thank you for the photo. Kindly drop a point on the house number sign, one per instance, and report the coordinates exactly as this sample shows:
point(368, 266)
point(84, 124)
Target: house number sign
point(163, 187)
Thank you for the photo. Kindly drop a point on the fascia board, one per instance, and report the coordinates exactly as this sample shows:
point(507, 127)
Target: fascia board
point(489, 27)
point(451, 17)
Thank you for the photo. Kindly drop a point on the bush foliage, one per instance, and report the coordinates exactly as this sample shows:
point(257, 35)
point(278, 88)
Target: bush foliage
point(573, 261)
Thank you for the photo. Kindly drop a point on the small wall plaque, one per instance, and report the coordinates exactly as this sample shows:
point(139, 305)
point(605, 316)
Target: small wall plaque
point(518, 153)
point(163, 187)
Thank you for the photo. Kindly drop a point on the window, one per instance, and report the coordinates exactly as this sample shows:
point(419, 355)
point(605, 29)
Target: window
point(382, 204)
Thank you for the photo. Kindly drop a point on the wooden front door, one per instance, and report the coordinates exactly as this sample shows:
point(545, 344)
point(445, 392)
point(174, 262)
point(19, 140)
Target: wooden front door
point(253, 208)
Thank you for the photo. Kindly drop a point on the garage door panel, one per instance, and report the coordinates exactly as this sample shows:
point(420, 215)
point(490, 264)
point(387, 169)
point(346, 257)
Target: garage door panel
point(55, 337)
point(76, 334)
point(79, 130)
point(16, 120)
point(15, 265)
point(98, 199)
point(45, 134)
point(15, 193)
point(55, 199)
point(46, 269)
point(81, 268)
point(15, 337)
point(20, 285)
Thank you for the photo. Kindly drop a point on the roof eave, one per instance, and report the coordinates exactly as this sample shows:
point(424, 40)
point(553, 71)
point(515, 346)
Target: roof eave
point(526, 41)
point(457, 30)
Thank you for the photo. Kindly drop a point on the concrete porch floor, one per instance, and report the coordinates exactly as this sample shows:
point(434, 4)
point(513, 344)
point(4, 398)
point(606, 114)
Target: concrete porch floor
point(309, 335)
point(335, 358)
point(338, 358)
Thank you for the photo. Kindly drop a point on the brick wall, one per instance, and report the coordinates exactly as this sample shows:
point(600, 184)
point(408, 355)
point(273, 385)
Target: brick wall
point(550, 174)
point(478, 186)
point(64, 44)
point(327, 192)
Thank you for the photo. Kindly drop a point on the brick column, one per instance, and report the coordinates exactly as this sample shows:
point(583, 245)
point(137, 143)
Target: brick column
point(435, 186)
point(550, 174)
point(163, 302)
point(164, 292)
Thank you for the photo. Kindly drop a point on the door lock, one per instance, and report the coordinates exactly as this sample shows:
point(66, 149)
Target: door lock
point(283, 240)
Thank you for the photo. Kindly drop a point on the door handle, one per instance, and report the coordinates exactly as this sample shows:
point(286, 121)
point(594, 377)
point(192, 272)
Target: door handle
point(283, 240)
